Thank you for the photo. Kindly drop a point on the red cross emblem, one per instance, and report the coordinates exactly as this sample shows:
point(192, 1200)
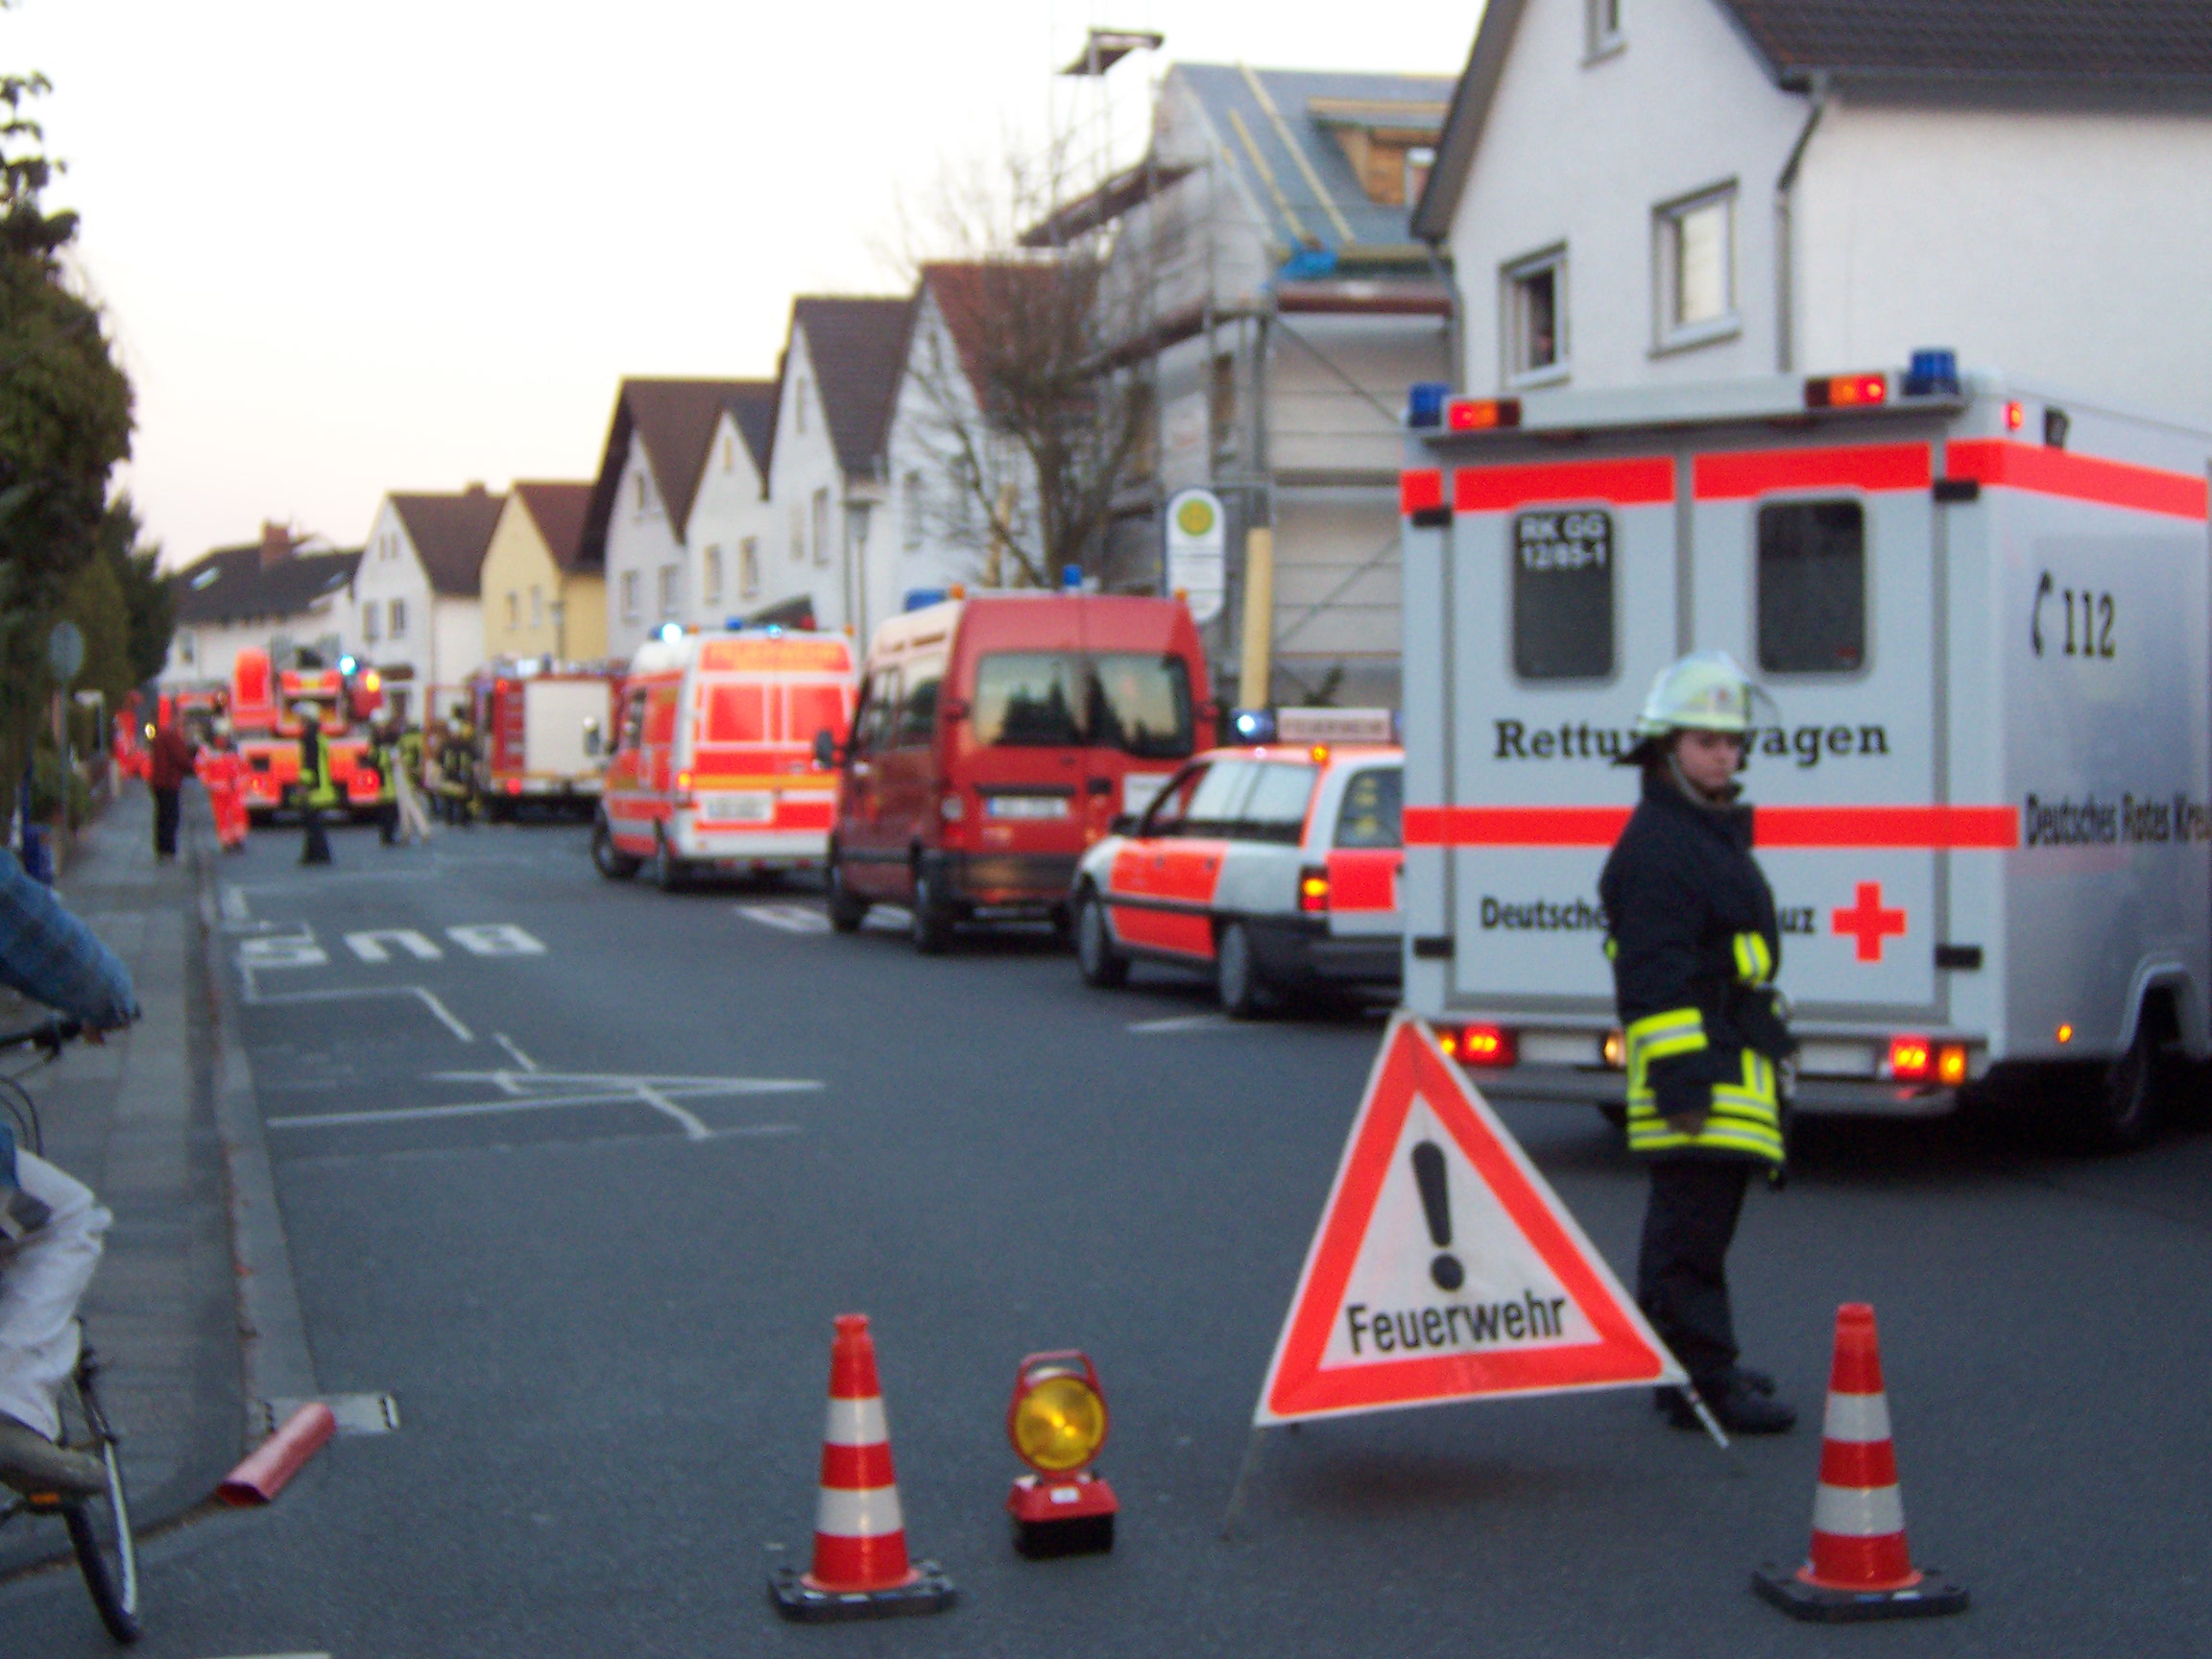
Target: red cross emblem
point(1869, 922)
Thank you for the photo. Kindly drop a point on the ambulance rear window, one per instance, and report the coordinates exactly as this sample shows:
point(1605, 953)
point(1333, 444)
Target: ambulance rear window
point(1369, 815)
point(1563, 595)
point(1812, 586)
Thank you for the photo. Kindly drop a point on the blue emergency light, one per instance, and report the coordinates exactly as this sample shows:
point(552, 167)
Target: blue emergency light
point(1251, 725)
point(922, 598)
point(348, 663)
point(1933, 373)
point(1071, 578)
point(668, 631)
point(1425, 403)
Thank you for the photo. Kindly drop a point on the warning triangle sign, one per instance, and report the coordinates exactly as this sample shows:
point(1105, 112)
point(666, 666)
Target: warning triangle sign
point(1445, 1269)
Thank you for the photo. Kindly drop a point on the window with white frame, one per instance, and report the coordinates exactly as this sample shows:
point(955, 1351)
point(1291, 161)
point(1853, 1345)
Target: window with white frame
point(911, 509)
point(513, 609)
point(748, 567)
point(798, 405)
point(1602, 22)
point(710, 576)
point(671, 592)
point(537, 606)
point(821, 526)
point(398, 614)
point(641, 492)
point(1535, 317)
point(370, 616)
point(628, 595)
point(1693, 259)
point(797, 534)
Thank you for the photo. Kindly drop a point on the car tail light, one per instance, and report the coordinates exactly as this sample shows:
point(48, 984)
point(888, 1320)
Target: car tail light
point(1480, 1044)
point(1314, 889)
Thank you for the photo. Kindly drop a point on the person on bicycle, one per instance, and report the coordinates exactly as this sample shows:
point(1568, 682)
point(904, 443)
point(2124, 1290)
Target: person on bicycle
point(50, 1243)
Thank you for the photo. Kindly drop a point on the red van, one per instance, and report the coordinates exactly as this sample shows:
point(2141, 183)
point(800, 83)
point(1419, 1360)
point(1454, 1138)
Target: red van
point(996, 737)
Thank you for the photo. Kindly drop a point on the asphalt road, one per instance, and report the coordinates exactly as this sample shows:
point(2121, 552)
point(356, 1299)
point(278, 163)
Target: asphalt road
point(642, 1149)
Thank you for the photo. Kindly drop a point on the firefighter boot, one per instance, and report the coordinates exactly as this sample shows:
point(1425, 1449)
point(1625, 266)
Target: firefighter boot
point(30, 1463)
point(1739, 1402)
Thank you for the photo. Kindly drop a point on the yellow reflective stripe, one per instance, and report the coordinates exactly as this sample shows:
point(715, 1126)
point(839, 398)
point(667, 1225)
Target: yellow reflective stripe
point(1743, 1117)
point(1754, 962)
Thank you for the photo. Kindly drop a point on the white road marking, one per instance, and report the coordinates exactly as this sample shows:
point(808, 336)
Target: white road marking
point(550, 1091)
point(789, 918)
point(520, 1059)
point(495, 939)
point(439, 1011)
point(284, 950)
point(1190, 1022)
point(369, 946)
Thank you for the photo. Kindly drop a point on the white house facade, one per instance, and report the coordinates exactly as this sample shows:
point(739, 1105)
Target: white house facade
point(416, 596)
point(729, 535)
point(281, 591)
point(1645, 192)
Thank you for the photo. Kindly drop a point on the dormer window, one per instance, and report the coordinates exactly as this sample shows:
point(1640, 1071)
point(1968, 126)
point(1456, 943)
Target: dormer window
point(1389, 144)
point(1604, 27)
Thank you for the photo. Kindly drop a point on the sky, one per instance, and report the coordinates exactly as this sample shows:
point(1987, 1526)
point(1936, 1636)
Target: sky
point(350, 247)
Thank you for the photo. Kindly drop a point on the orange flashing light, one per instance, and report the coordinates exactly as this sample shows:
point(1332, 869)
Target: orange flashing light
point(1614, 1050)
point(2015, 416)
point(1950, 1065)
point(1313, 890)
point(1846, 391)
point(1481, 414)
point(1320, 754)
point(682, 779)
point(958, 590)
point(2064, 1033)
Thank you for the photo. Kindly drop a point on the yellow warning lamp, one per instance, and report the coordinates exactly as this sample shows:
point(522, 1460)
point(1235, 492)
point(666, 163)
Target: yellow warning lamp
point(1057, 1420)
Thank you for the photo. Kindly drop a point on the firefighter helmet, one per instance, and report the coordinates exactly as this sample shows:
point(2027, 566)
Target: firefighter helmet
point(1706, 691)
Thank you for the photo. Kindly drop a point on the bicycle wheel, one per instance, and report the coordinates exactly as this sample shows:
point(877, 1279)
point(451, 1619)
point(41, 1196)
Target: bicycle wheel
point(100, 1530)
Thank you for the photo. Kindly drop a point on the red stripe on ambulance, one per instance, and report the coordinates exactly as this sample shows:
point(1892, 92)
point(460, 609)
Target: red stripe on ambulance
point(1942, 827)
point(2042, 471)
point(1646, 481)
point(1873, 466)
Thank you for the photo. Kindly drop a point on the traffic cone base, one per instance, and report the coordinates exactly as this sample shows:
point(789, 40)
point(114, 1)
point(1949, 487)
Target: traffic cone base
point(1859, 1566)
point(798, 1596)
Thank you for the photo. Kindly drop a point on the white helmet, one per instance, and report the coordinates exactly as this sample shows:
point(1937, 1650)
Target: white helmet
point(1706, 691)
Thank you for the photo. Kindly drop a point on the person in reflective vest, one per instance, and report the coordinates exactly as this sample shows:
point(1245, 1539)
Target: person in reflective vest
point(1695, 946)
point(317, 791)
point(222, 773)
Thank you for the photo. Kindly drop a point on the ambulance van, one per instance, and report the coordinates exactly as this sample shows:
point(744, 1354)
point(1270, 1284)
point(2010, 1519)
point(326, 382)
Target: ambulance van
point(998, 738)
point(713, 761)
point(1982, 613)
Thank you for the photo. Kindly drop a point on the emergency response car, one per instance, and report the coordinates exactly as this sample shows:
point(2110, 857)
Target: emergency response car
point(1981, 794)
point(542, 732)
point(263, 719)
point(998, 738)
point(1273, 869)
point(713, 764)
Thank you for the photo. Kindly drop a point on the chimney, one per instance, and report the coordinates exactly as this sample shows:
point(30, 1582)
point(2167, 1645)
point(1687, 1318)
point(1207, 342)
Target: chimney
point(275, 542)
point(476, 488)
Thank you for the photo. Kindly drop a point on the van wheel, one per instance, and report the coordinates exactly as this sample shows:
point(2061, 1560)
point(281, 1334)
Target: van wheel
point(670, 873)
point(1102, 967)
point(609, 860)
point(846, 911)
point(1245, 992)
point(932, 922)
point(2125, 1099)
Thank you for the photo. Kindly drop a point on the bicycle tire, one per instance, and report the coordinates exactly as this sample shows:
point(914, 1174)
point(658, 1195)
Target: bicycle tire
point(106, 1555)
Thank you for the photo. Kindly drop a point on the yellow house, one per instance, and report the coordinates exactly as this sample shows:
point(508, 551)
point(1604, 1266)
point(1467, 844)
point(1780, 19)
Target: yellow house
point(539, 599)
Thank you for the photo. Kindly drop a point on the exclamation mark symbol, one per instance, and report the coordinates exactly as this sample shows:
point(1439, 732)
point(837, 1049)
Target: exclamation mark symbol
point(1437, 1205)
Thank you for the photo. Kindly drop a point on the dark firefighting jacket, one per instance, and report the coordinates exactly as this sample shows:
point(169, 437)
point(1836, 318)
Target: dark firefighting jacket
point(1690, 930)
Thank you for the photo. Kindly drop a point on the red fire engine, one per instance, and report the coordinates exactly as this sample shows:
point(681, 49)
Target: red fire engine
point(263, 716)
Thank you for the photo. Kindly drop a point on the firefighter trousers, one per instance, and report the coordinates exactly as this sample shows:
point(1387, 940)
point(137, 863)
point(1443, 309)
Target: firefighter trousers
point(41, 1282)
point(1682, 1272)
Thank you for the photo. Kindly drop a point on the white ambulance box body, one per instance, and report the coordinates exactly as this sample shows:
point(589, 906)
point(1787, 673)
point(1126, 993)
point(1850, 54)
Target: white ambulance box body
point(1982, 791)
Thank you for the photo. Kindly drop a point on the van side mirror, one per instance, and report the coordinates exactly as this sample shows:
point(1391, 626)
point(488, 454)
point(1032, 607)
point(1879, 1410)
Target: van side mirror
point(824, 749)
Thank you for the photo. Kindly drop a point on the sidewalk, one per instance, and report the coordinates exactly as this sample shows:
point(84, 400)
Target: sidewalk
point(136, 1119)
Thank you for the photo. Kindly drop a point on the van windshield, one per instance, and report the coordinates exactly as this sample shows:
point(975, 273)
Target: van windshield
point(1135, 702)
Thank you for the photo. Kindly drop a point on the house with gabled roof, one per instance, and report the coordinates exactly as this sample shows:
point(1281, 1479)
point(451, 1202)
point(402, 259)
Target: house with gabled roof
point(731, 523)
point(666, 439)
point(827, 470)
point(1656, 192)
point(540, 599)
point(1266, 295)
point(285, 589)
point(416, 592)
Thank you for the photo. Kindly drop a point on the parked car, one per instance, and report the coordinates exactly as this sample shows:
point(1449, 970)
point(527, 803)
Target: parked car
point(998, 737)
point(1274, 869)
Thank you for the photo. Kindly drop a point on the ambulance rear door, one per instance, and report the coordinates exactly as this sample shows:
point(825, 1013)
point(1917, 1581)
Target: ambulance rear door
point(1561, 597)
point(1817, 564)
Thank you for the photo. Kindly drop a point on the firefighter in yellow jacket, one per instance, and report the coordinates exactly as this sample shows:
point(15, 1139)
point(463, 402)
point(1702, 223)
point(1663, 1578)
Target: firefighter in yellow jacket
point(1690, 930)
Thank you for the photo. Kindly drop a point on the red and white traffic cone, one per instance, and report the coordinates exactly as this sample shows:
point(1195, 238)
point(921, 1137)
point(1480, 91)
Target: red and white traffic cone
point(861, 1568)
point(1859, 1566)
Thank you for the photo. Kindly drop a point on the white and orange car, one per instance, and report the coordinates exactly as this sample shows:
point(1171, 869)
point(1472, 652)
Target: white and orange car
point(1274, 869)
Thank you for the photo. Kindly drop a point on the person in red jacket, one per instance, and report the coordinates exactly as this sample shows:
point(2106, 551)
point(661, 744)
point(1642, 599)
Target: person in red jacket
point(167, 767)
point(223, 774)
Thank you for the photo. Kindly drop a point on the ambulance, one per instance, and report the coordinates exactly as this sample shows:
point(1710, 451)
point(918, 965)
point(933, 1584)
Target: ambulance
point(543, 730)
point(1273, 869)
point(713, 762)
point(1981, 613)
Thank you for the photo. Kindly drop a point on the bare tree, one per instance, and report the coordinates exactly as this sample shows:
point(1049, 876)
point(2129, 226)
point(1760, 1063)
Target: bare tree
point(1028, 440)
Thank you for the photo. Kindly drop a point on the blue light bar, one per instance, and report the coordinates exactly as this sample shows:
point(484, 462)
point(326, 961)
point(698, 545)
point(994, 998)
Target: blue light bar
point(1425, 403)
point(1251, 725)
point(1933, 373)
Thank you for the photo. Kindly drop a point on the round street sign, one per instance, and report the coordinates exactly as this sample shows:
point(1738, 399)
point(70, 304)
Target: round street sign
point(65, 650)
point(1197, 545)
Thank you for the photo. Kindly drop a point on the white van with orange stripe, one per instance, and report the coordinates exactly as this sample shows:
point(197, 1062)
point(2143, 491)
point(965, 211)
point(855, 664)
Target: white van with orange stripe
point(713, 763)
point(1986, 803)
point(1274, 869)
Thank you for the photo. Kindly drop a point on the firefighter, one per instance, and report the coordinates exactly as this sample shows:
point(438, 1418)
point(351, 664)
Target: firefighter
point(1693, 943)
point(384, 762)
point(406, 782)
point(315, 788)
point(457, 768)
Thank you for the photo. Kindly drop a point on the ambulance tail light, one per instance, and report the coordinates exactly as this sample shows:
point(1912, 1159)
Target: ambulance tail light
point(1313, 890)
point(1482, 413)
point(513, 786)
point(1950, 1065)
point(1846, 391)
point(1915, 1059)
point(1490, 1046)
